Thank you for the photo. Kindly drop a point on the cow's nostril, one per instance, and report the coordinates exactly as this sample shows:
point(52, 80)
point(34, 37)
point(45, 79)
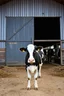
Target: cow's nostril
point(31, 60)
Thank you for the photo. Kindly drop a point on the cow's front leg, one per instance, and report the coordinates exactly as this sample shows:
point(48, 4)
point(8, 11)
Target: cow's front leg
point(35, 78)
point(39, 73)
point(29, 78)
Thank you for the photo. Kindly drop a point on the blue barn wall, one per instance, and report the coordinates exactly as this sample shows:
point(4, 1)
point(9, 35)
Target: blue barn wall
point(27, 8)
point(30, 8)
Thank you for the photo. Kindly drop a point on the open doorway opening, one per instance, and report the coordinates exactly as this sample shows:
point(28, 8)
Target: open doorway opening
point(46, 28)
point(47, 34)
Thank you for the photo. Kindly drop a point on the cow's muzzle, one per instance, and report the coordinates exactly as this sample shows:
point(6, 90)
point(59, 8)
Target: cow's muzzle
point(31, 61)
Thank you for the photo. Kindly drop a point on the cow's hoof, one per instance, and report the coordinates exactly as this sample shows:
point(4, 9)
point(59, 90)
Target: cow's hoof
point(28, 88)
point(39, 76)
point(36, 88)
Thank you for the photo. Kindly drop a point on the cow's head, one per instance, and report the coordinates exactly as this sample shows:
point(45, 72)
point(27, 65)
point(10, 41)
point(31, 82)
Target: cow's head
point(30, 49)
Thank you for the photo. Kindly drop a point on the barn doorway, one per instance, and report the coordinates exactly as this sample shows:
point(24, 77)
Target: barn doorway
point(47, 34)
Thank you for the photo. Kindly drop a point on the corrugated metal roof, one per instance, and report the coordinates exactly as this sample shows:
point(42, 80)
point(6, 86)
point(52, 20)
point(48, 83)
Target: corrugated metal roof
point(5, 1)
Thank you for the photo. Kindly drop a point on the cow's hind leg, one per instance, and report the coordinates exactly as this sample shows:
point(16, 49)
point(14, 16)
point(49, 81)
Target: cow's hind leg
point(39, 72)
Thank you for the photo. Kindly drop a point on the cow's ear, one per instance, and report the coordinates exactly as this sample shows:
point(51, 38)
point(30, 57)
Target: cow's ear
point(23, 49)
point(38, 48)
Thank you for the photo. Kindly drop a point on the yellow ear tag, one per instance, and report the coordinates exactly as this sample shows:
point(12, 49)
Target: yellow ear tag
point(38, 49)
point(23, 51)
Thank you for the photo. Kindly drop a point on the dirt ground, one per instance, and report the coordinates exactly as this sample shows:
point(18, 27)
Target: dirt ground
point(13, 81)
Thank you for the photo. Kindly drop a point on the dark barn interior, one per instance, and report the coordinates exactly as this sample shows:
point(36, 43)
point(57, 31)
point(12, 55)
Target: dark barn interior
point(47, 28)
point(47, 34)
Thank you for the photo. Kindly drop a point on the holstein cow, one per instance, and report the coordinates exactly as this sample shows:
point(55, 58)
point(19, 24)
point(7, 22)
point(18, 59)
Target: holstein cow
point(33, 61)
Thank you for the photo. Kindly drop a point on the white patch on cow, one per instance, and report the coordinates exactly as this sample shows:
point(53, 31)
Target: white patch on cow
point(36, 84)
point(32, 69)
point(30, 49)
point(42, 49)
point(42, 52)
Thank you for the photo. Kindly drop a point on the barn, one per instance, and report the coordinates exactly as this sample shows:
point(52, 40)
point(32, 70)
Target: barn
point(30, 21)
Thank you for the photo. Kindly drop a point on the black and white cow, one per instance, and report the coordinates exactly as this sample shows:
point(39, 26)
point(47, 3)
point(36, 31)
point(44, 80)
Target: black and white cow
point(33, 61)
